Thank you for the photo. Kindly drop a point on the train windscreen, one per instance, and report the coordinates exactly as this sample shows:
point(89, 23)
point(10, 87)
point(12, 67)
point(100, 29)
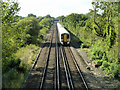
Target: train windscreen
point(67, 36)
point(62, 36)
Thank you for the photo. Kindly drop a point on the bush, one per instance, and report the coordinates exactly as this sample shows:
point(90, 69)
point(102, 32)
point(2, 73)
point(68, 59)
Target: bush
point(98, 53)
point(12, 79)
point(113, 70)
point(119, 71)
point(43, 33)
point(9, 63)
point(22, 68)
point(105, 65)
point(98, 62)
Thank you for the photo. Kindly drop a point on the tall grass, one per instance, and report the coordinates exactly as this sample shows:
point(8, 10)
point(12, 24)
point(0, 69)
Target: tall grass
point(15, 77)
point(27, 54)
point(12, 79)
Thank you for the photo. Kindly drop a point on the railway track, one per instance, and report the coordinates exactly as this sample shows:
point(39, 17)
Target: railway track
point(36, 73)
point(55, 67)
point(74, 76)
point(46, 65)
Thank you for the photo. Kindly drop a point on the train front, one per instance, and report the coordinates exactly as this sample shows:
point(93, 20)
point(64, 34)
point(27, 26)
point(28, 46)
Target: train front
point(65, 39)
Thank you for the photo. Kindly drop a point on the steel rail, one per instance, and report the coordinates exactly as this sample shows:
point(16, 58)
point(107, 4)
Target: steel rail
point(67, 71)
point(70, 77)
point(47, 60)
point(78, 68)
point(68, 82)
point(57, 59)
point(55, 74)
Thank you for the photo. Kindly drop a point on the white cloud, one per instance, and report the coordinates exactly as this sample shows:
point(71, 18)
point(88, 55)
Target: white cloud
point(53, 7)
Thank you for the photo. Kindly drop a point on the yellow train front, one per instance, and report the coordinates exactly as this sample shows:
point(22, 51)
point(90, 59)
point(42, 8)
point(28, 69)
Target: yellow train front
point(65, 39)
point(63, 34)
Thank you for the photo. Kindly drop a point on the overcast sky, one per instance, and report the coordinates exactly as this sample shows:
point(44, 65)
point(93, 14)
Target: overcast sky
point(53, 7)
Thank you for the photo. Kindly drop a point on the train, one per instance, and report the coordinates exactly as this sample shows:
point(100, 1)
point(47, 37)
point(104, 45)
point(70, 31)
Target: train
point(63, 35)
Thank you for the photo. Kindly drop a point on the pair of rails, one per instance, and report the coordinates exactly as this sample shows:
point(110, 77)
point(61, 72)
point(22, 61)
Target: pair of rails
point(57, 84)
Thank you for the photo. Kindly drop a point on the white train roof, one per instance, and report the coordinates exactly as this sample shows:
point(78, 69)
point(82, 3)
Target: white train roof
point(61, 29)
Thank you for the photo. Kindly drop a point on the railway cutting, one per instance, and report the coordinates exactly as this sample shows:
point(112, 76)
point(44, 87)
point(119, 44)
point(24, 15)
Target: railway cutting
point(56, 67)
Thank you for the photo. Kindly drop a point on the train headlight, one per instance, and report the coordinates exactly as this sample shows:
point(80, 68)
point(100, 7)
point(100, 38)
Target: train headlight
point(62, 43)
point(68, 42)
point(68, 39)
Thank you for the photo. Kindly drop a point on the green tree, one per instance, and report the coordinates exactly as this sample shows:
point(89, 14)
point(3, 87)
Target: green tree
point(9, 9)
point(48, 16)
point(61, 18)
point(46, 22)
point(9, 45)
point(31, 15)
point(102, 28)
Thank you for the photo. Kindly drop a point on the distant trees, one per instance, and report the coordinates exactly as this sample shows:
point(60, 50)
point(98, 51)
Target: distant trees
point(73, 21)
point(48, 16)
point(61, 18)
point(31, 15)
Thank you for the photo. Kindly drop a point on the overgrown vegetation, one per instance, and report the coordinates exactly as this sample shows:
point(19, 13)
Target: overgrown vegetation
point(98, 31)
point(21, 37)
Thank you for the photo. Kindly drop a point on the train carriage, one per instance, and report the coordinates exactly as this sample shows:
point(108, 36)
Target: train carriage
point(63, 34)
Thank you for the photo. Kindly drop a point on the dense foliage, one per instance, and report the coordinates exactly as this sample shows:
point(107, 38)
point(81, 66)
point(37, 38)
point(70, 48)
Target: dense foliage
point(98, 30)
point(20, 33)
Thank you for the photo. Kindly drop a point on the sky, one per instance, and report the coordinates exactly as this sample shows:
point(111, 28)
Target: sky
point(53, 7)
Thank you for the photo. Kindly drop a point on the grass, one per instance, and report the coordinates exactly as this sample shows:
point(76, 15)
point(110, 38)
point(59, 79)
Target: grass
point(27, 54)
point(14, 78)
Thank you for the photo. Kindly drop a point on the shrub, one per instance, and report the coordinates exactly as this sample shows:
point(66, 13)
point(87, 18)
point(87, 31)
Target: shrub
point(98, 62)
point(12, 79)
point(98, 53)
point(113, 70)
point(105, 65)
point(9, 63)
point(119, 71)
point(22, 68)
